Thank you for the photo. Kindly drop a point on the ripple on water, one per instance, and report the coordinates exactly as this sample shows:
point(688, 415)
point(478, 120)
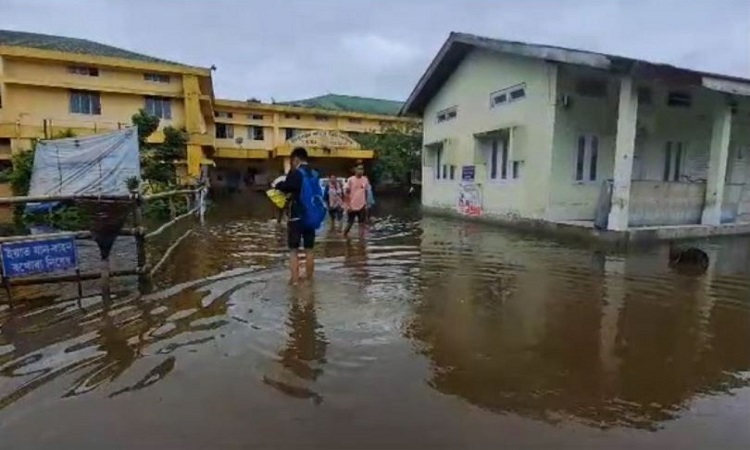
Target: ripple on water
point(506, 323)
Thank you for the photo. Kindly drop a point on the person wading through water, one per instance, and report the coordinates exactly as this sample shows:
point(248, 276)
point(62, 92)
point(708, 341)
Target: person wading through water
point(306, 212)
point(356, 195)
point(334, 195)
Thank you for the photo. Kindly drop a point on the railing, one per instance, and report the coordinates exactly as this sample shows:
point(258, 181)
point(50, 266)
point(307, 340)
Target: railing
point(194, 198)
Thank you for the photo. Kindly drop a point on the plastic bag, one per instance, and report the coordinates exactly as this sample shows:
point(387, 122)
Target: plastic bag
point(277, 197)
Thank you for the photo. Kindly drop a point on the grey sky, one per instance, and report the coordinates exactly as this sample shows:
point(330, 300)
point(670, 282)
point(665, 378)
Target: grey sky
point(286, 49)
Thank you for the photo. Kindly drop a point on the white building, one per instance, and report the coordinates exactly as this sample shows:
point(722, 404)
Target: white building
point(557, 136)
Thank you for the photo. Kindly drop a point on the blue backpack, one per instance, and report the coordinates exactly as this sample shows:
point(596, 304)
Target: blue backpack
point(313, 210)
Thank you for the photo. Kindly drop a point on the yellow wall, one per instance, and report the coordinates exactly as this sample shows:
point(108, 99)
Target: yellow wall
point(278, 118)
point(30, 106)
point(35, 87)
point(109, 79)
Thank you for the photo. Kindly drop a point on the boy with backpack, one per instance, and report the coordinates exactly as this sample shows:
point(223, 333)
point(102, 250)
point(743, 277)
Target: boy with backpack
point(306, 213)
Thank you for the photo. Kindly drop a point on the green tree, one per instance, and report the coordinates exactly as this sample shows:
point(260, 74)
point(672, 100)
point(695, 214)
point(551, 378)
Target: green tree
point(158, 160)
point(397, 153)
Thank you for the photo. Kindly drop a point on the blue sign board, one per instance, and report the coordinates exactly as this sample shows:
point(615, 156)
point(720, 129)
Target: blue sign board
point(467, 173)
point(26, 258)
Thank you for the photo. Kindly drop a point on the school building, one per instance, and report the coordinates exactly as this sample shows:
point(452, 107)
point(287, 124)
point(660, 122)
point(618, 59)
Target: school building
point(534, 134)
point(50, 84)
point(253, 140)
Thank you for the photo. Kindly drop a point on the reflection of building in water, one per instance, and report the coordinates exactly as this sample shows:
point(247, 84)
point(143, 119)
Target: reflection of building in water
point(546, 331)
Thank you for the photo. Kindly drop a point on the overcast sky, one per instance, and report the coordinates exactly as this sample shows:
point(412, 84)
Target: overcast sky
point(290, 49)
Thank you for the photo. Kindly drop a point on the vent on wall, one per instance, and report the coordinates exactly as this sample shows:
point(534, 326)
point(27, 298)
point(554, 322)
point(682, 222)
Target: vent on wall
point(679, 99)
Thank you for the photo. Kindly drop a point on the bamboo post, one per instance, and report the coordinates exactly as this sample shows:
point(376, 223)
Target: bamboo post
point(80, 284)
point(140, 241)
point(9, 291)
point(105, 279)
point(140, 247)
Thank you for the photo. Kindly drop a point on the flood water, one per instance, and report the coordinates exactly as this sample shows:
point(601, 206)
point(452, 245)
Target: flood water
point(424, 333)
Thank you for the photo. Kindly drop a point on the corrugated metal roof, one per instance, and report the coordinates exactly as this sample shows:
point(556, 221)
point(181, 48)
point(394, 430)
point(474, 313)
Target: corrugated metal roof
point(73, 45)
point(458, 45)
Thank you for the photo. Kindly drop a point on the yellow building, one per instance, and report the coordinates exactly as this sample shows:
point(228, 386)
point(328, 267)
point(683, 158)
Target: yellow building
point(254, 140)
point(50, 84)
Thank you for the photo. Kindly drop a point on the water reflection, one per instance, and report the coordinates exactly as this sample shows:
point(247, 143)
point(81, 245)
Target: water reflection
point(554, 333)
point(304, 353)
point(509, 324)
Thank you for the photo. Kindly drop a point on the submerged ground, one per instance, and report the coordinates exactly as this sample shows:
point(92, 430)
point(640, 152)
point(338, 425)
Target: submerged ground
point(426, 333)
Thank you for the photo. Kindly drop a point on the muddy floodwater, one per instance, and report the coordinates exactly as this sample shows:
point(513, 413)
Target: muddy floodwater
point(423, 333)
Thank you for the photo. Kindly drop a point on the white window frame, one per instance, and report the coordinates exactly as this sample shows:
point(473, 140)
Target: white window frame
point(229, 131)
point(507, 98)
point(88, 103)
point(446, 115)
point(251, 133)
point(156, 77)
point(673, 163)
point(501, 148)
point(86, 71)
point(592, 151)
point(160, 107)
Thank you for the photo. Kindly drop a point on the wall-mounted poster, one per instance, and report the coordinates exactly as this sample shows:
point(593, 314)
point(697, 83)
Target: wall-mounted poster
point(470, 199)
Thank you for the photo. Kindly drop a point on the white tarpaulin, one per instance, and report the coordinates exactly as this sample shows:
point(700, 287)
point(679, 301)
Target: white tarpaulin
point(91, 165)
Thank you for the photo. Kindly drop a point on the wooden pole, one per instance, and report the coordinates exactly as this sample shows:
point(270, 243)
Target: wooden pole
point(104, 280)
point(9, 291)
point(144, 276)
point(80, 284)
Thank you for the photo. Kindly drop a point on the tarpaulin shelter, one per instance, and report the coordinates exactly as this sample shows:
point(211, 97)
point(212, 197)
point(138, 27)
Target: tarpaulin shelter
point(97, 165)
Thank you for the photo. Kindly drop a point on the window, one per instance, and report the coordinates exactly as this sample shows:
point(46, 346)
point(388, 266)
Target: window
point(679, 99)
point(587, 158)
point(226, 115)
point(320, 118)
point(438, 161)
point(224, 131)
point(160, 107)
point(289, 133)
point(84, 70)
point(256, 133)
point(292, 116)
point(508, 95)
point(516, 169)
point(255, 116)
point(498, 159)
point(85, 102)
point(355, 120)
point(673, 156)
point(156, 77)
point(591, 87)
point(447, 114)
point(452, 172)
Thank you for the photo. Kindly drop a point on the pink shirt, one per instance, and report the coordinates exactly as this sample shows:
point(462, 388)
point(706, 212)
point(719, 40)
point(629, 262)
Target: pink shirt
point(357, 192)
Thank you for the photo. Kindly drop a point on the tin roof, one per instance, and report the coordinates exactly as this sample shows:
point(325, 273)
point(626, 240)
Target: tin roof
point(458, 45)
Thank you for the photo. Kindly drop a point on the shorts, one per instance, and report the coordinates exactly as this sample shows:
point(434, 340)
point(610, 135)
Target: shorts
point(336, 213)
point(297, 237)
point(360, 215)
